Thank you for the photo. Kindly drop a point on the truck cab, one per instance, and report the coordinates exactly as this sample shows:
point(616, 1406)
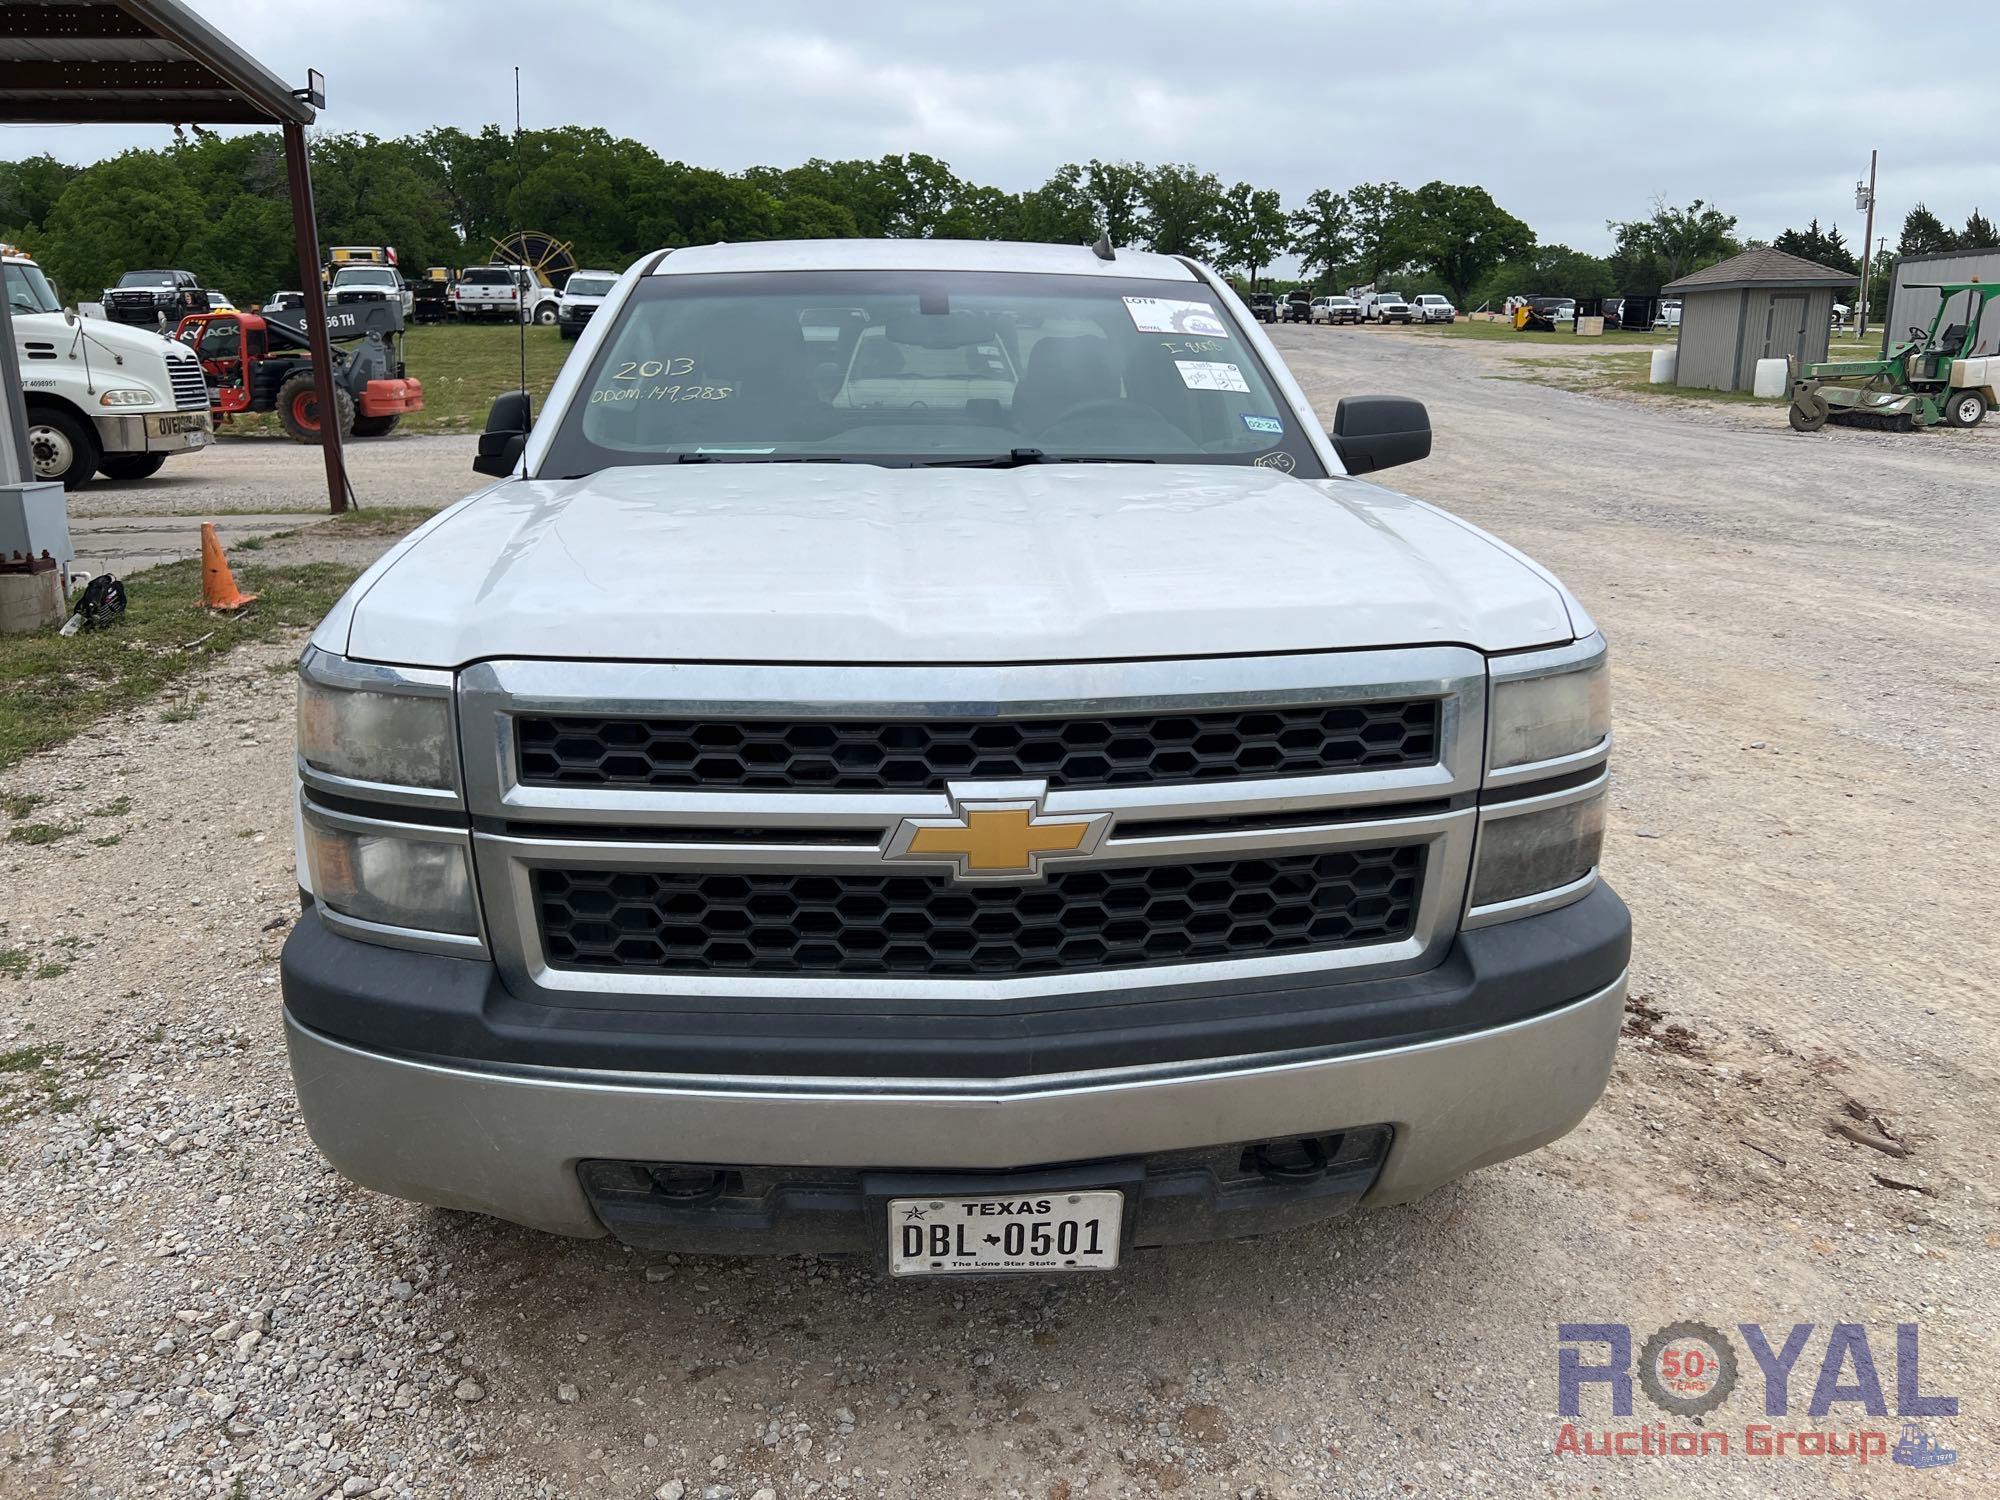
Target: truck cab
point(102, 398)
point(917, 726)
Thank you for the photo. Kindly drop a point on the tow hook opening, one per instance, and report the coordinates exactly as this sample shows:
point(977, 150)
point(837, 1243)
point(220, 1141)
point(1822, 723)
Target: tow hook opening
point(692, 1187)
point(1294, 1161)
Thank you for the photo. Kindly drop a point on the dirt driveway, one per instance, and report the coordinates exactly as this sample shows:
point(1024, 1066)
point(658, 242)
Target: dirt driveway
point(1805, 640)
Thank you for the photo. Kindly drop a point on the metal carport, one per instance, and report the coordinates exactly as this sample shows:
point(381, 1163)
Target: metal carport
point(155, 62)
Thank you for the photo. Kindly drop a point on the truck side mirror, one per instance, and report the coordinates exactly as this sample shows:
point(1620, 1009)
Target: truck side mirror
point(506, 435)
point(1379, 432)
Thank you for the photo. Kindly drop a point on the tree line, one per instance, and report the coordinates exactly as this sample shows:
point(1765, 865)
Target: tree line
point(217, 206)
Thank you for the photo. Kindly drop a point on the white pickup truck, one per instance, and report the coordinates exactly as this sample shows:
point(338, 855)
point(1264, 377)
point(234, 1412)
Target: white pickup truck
point(986, 788)
point(512, 293)
point(102, 398)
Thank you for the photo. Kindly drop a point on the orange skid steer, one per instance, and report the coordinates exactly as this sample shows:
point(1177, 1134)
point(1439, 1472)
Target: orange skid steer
point(259, 363)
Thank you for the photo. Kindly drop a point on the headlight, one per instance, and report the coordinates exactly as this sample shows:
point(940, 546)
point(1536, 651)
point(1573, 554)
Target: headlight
point(1541, 822)
point(1528, 853)
point(1562, 710)
point(393, 875)
point(385, 726)
point(127, 396)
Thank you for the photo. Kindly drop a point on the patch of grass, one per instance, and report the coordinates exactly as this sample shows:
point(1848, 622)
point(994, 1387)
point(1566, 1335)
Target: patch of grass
point(52, 970)
point(31, 1084)
point(249, 544)
point(107, 841)
point(13, 962)
point(53, 688)
point(39, 833)
point(1624, 371)
point(19, 804)
point(182, 710)
point(463, 367)
point(383, 520)
point(117, 807)
point(1466, 328)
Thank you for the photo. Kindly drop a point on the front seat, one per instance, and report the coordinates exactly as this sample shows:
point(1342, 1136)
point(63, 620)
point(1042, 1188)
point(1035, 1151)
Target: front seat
point(1062, 374)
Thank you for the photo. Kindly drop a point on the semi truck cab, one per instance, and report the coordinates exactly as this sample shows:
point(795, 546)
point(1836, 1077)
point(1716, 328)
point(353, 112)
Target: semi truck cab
point(102, 398)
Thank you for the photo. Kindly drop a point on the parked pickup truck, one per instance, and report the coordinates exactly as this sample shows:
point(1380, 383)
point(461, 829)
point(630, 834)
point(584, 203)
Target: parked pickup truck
point(582, 295)
point(101, 398)
point(510, 292)
point(1431, 308)
point(1385, 307)
point(154, 299)
point(989, 790)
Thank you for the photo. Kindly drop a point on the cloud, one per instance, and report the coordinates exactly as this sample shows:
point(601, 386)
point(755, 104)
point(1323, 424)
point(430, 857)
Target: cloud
point(1569, 112)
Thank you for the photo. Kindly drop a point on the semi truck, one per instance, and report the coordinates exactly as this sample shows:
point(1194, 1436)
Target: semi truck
point(103, 398)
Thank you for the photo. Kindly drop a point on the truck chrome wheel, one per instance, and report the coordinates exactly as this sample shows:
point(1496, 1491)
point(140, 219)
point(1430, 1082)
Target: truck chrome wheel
point(54, 454)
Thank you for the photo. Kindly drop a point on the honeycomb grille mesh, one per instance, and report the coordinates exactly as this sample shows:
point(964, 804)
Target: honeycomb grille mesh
point(886, 755)
point(669, 922)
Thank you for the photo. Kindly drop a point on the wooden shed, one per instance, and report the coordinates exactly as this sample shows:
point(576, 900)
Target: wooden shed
point(1762, 304)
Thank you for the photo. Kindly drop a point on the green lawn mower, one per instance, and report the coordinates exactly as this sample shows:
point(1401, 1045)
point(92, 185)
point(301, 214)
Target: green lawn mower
point(1933, 377)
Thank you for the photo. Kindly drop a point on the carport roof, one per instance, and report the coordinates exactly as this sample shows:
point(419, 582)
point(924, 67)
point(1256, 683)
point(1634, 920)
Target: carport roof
point(133, 61)
point(1762, 266)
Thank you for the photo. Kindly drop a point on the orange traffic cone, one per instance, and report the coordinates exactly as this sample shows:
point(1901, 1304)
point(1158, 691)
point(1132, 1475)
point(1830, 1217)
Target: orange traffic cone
point(218, 584)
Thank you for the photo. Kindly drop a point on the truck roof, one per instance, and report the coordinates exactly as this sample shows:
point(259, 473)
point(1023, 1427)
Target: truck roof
point(918, 255)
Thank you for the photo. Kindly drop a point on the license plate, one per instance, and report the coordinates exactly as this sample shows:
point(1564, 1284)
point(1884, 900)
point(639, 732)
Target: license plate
point(1025, 1232)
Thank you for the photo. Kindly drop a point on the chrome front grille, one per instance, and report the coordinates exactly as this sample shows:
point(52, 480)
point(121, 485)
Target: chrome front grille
point(190, 386)
point(749, 834)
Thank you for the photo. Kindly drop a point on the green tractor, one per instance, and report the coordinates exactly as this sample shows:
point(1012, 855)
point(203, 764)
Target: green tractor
point(1933, 377)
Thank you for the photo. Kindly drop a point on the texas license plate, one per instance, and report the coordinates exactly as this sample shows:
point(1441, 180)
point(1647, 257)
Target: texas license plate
point(1023, 1232)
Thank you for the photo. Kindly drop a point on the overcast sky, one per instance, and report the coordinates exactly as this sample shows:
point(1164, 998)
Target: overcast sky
point(1567, 111)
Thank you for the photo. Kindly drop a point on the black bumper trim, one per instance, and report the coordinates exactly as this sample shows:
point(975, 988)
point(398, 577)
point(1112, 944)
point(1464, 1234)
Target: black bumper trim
point(427, 1005)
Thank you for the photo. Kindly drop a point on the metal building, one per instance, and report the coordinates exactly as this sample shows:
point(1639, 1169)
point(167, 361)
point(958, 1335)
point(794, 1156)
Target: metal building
point(1912, 306)
point(1762, 304)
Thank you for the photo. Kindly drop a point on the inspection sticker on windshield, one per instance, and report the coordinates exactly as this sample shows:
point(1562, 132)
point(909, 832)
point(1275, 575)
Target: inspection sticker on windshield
point(1165, 315)
point(1262, 424)
point(1211, 375)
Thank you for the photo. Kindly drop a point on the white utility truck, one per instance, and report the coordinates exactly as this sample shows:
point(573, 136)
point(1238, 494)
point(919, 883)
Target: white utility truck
point(102, 398)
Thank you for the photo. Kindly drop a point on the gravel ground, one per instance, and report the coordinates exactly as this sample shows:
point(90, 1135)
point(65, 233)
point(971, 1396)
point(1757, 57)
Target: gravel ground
point(264, 475)
point(1805, 651)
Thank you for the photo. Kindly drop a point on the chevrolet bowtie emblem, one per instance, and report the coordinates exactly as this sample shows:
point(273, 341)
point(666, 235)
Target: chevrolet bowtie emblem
point(1000, 833)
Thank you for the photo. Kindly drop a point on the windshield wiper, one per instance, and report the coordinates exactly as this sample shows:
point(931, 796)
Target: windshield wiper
point(1019, 457)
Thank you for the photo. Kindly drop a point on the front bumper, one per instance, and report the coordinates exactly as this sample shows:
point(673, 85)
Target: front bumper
point(510, 1138)
point(155, 432)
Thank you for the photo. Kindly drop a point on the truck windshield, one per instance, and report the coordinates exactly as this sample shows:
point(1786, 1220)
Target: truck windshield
point(28, 290)
point(893, 367)
point(587, 286)
point(364, 276)
point(147, 278)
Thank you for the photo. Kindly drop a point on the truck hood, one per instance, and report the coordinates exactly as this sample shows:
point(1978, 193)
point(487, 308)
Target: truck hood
point(858, 564)
point(105, 337)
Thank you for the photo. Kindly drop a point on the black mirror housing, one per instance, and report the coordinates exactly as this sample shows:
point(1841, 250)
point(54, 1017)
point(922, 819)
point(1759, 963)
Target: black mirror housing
point(1379, 432)
point(506, 435)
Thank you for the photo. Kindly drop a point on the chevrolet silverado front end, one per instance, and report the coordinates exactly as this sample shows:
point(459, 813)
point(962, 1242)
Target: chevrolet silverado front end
point(986, 792)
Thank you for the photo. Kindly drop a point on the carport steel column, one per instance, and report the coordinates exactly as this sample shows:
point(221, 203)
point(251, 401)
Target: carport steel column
point(305, 227)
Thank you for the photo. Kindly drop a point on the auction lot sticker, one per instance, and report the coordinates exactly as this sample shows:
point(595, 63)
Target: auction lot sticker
point(1211, 375)
point(1165, 315)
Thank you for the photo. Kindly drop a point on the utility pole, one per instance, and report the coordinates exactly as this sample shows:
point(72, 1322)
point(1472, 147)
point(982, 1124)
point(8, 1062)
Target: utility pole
point(1864, 197)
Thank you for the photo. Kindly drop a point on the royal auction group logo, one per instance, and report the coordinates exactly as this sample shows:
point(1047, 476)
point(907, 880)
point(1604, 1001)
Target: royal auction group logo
point(1689, 1370)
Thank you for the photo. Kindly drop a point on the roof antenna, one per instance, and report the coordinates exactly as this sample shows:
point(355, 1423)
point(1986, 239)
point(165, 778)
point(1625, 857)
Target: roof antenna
point(1102, 249)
